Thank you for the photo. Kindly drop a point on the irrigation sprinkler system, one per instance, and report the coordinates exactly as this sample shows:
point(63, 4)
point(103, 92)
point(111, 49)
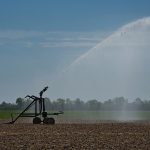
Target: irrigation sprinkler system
point(40, 114)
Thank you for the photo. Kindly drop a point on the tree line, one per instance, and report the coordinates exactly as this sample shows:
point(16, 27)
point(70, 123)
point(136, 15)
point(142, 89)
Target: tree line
point(118, 103)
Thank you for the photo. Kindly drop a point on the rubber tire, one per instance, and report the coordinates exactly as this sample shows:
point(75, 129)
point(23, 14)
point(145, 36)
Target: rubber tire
point(49, 121)
point(36, 120)
point(44, 114)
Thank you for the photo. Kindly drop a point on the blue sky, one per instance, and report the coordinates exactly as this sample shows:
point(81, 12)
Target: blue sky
point(38, 39)
point(70, 15)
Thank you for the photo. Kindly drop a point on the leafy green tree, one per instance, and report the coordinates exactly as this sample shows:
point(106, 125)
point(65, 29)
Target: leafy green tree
point(108, 105)
point(120, 103)
point(60, 104)
point(94, 104)
point(20, 102)
point(68, 104)
point(78, 104)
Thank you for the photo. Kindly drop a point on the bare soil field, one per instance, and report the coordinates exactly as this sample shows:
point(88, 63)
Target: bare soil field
point(104, 136)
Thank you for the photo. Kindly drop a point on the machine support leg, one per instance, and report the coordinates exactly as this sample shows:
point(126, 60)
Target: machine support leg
point(23, 111)
point(43, 104)
point(35, 107)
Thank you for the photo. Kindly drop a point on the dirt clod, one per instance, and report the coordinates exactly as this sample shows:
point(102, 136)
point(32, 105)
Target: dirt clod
point(75, 136)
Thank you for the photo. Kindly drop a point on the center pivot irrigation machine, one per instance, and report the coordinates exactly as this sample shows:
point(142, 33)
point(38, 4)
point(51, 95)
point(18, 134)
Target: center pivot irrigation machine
point(39, 110)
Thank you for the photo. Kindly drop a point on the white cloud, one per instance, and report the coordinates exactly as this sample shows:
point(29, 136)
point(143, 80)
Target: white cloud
point(28, 44)
point(18, 34)
point(50, 39)
point(67, 44)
